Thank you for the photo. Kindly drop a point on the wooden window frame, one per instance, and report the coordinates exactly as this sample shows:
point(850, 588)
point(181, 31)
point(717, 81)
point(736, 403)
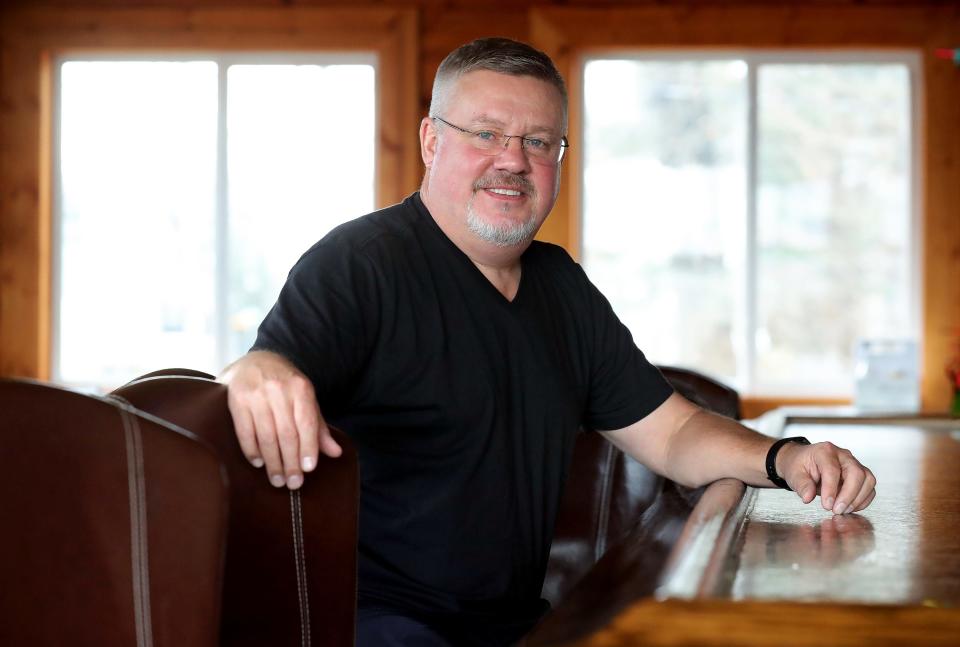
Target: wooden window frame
point(31, 40)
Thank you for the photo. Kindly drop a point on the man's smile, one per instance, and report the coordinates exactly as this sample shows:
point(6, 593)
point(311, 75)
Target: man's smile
point(507, 192)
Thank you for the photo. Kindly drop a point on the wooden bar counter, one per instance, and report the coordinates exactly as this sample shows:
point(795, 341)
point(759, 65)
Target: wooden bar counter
point(757, 567)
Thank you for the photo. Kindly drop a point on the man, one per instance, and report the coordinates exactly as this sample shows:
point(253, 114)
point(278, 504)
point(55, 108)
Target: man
point(462, 357)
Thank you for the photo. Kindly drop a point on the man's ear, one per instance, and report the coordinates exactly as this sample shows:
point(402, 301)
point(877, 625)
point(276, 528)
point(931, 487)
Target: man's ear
point(428, 141)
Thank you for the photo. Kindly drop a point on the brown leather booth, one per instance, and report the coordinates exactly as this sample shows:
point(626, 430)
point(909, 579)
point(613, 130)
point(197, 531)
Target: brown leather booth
point(290, 565)
point(289, 562)
point(114, 524)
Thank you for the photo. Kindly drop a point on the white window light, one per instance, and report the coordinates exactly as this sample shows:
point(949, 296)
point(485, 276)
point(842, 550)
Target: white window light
point(753, 215)
point(185, 190)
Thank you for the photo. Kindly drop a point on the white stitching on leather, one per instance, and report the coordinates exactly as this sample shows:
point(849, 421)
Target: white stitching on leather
point(138, 524)
point(296, 517)
point(603, 522)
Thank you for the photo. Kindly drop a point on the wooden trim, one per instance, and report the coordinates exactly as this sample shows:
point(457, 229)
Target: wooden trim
point(747, 623)
point(24, 312)
point(559, 228)
point(31, 38)
point(567, 34)
point(398, 150)
point(756, 406)
point(45, 220)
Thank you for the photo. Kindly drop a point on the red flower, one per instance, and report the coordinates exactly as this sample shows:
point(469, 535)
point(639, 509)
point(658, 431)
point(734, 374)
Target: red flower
point(953, 366)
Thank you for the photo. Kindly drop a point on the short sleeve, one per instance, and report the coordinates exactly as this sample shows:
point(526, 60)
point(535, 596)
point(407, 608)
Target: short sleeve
point(624, 387)
point(325, 318)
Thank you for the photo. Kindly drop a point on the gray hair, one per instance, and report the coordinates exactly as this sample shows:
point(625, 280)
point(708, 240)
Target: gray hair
point(500, 55)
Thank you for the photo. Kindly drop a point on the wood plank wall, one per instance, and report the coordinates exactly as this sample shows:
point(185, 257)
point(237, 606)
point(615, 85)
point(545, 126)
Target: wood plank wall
point(424, 31)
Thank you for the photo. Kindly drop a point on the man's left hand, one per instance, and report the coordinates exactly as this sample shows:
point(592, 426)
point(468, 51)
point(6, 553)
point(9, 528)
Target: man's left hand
point(843, 483)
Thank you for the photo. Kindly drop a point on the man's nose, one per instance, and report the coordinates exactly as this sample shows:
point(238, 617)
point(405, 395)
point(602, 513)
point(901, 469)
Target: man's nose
point(512, 156)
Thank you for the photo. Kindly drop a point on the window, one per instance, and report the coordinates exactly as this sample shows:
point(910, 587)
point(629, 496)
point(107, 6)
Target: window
point(753, 217)
point(186, 191)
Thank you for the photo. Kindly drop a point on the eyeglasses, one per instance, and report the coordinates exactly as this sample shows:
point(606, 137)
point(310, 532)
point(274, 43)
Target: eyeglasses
point(492, 142)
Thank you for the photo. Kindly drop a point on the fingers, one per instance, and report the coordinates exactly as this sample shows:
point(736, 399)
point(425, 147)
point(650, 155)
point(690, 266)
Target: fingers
point(276, 417)
point(806, 488)
point(329, 445)
point(266, 432)
point(867, 491)
point(866, 502)
point(308, 420)
point(845, 484)
point(314, 434)
point(829, 474)
point(288, 438)
point(246, 432)
point(853, 477)
point(858, 483)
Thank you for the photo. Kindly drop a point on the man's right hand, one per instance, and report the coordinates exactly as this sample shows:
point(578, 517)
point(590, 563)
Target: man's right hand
point(276, 417)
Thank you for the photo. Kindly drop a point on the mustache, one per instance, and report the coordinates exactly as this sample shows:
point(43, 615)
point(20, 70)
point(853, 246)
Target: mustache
point(505, 181)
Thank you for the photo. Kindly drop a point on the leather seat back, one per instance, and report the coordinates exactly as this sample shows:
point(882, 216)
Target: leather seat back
point(291, 568)
point(605, 495)
point(704, 391)
point(114, 524)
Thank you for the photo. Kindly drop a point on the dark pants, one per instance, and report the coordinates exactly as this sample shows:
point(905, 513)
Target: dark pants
point(384, 628)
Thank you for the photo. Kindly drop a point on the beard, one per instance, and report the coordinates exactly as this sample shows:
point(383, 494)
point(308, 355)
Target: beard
point(507, 234)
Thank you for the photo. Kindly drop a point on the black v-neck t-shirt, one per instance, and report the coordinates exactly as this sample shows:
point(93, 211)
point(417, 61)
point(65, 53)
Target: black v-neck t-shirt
point(463, 406)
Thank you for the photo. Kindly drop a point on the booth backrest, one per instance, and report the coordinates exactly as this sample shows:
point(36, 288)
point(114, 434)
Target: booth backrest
point(114, 524)
point(704, 391)
point(605, 495)
point(608, 497)
point(291, 571)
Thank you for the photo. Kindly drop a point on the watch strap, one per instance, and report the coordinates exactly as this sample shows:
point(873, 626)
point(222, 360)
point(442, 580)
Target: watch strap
point(775, 478)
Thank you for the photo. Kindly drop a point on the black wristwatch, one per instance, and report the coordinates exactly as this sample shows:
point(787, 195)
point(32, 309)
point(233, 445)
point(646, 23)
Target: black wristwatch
point(772, 460)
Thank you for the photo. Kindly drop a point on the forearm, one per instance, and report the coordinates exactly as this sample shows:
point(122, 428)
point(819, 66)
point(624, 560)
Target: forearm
point(708, 447)
point(693, 447)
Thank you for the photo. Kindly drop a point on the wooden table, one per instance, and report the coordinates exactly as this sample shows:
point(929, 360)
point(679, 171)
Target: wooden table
point(757, 567)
